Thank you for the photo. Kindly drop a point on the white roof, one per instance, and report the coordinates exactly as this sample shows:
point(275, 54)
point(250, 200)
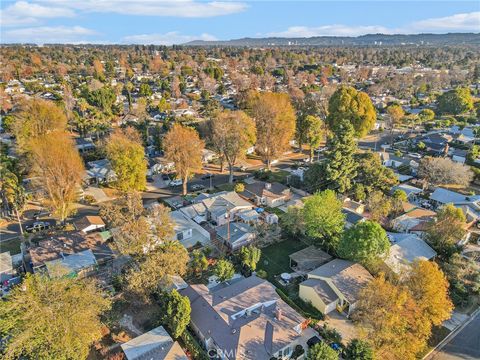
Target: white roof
point(5, 262)
point(407, 250)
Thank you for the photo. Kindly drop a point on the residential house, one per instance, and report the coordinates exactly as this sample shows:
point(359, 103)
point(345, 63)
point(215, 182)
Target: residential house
point(395, 162)
point(84, 145)
point(267, 194)
point(155, 344)
point(235, 235)
point(354, 206)
point(459, 156)
point(6, 267)
point(412, 192)
point(221, 208)
point(414, 220)
point(100, 172)
point(79, 264)
point(405, 249)
point(61, 247)
point(89, 223)
point(187, 231)
point(246, 320)
point(470, 204)
point(335, 285)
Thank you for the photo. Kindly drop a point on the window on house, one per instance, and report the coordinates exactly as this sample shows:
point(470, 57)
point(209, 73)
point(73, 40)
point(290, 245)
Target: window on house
point(180, 236)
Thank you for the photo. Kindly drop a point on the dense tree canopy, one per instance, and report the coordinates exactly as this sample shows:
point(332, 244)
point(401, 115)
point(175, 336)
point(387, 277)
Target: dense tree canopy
point(354, 106)
point(274, 117)
point(455, 101)
point(176, 312)
point(364, 242)
point(47, 318)
point(321, 351)
point(324, 220)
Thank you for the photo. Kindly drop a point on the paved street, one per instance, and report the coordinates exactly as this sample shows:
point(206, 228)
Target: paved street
point(464, 345)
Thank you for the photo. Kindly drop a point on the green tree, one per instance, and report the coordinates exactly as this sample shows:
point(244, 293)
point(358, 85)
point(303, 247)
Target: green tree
point(364, 242)
point(314, 134)
point(427, 115)
point(224, 270)
point(455, 102)
point(176, 312)
point(324, 220)
point(13, 192)
point(51, 318)
point(156, 267)
point(341, 167)
point(372, 174)
point(145, 90)
point(358, 350)
point(250, 256)
point(354, 106)
point(446, 230)
point(199, 262)
point(321, 351)
point(127, 158)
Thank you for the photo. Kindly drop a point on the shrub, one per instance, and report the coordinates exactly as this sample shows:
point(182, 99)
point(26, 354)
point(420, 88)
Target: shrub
point(262, 274)
point(240, 187)
point(193, 346)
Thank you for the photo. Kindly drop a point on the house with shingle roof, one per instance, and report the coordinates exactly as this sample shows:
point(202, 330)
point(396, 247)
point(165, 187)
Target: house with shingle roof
point(246, 320)
point(335, 285)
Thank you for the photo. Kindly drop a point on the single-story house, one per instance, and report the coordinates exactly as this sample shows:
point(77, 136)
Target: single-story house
point(187, 231)
point(84, 145)
point(66, 244)
point(80, 264)
point(6, 266)
point(412, 192)
point(89, 223)
point(267, 194)
point(405, 249)
point(100, 171)
point(235, 235)
point(246, 320)
point(223, 206)
point(335, 285)
point(354, 206)
point(470, 204)
point(155, 344)
point(308, 259)
point(459, 156)
point(414, 220)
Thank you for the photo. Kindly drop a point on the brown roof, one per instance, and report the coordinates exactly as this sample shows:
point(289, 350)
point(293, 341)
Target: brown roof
point(259, 188)
point(88, 220)
point(420, 213)
point(69, 243)
point(310, 255)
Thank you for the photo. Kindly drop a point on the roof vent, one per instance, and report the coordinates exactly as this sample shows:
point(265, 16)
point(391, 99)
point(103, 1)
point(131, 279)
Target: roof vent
point(234, 331)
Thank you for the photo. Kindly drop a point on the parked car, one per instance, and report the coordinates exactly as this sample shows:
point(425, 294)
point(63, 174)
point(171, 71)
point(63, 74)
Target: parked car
point(38, 226)
point(415, 155)
point(198, 187)
point(176, 182)
point(40, 214)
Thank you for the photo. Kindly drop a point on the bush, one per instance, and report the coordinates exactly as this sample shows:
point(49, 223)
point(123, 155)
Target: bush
point(330, 335)
point(240, 187)
point(193, 346)
point(262, 274)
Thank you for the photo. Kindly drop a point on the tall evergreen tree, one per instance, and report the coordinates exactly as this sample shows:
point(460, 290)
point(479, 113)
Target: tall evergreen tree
point(341, 166)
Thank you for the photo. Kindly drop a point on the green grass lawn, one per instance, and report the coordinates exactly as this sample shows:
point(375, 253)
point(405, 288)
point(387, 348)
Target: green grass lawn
point(12, 245)
point(275, 260)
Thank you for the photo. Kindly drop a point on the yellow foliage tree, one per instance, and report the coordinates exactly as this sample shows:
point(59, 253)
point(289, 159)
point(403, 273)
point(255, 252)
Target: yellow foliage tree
point(184, 147)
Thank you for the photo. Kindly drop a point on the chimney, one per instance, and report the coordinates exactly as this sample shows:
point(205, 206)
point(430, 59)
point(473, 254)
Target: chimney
point(268, 186)
point(278, 314)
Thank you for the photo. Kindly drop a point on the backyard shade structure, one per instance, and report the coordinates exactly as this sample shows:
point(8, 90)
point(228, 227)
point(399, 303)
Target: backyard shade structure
point(308, 259)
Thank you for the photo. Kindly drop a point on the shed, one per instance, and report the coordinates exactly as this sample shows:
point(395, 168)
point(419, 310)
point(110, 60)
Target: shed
point(308, 259)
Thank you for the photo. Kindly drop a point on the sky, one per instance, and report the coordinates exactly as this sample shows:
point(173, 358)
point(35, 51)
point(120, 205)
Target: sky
point(178, 21)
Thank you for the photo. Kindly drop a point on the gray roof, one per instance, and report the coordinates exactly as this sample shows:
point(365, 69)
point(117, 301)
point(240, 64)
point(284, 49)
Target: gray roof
point(351, 216)
point(322, 289)
point(310, 255)
point(183, 223)
point(257, 334)
point(5, 262)
point(74, 262)
point(348, 277)
point(445, 196)
point(153, 345)
point(407, 250)
point(235, 233)
point(408, 189)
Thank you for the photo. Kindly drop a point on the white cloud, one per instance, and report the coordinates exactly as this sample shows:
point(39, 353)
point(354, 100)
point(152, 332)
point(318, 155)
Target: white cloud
point(175, 8)
point(454, 23)
point(24, 13)
point(48, 34)
point(170, 38)
point(457, 22)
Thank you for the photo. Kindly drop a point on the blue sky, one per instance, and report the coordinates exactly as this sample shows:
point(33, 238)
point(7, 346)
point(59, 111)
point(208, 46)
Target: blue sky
point(178, 21)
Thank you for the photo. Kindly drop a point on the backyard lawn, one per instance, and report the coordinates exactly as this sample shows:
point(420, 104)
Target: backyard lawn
point(12, 245)
point(275, 260)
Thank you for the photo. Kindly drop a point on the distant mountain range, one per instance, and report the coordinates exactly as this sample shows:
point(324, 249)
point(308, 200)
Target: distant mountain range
point(364, 40)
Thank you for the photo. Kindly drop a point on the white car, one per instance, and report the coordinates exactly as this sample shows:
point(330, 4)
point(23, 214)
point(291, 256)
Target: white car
point(415, 155)
point(176, 182)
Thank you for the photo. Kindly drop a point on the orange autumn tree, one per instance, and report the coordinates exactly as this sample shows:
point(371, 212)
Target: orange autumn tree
point(274, 118)
point(183, 146)
point(58, 169)
point(390, 320)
